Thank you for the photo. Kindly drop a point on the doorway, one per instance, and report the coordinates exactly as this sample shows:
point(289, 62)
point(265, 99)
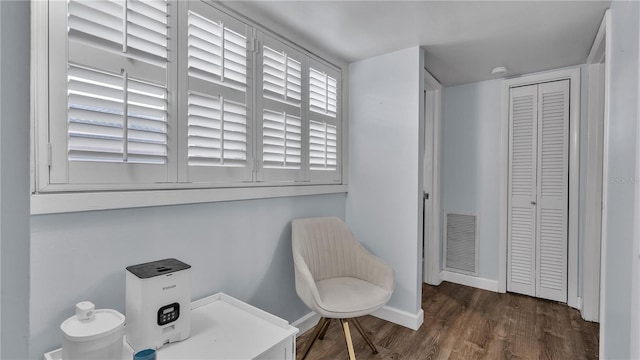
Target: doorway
point(431, 181)
point(595, 187)
point(538, 190)
point(573, 75)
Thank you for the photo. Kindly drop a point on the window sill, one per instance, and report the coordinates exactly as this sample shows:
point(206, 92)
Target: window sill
point(55, 203)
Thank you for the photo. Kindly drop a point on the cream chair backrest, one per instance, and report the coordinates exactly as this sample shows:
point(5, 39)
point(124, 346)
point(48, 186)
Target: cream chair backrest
point(327, 246)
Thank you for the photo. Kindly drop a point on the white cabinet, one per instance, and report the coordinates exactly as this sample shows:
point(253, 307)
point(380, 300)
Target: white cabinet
point(223, 327)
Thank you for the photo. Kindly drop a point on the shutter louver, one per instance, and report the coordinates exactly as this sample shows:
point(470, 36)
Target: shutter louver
point(97, 22)
point(282, 140)
point(281, 111)
point(323, 142)
point(143, 32)
point(217, 132)
point(323, 93)
point(216, 53)
point(218, 127)
point(97, 126)
point(282, 76)
point(147, 27)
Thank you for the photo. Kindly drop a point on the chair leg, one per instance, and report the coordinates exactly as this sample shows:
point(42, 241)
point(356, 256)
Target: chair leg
point(347, 337)
point(324, 329)
point(364, 335)
point(313, 338)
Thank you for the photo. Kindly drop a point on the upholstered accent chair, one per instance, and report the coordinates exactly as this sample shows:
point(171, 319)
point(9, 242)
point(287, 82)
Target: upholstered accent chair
point(337, 277)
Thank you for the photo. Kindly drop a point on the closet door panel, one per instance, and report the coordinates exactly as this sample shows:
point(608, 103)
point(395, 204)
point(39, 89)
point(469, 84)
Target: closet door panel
point(552, 190)
point(522, 190)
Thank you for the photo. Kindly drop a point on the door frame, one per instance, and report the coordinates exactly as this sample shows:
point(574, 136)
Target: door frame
point(574, 173)
point(595, 185)
point(432, 263)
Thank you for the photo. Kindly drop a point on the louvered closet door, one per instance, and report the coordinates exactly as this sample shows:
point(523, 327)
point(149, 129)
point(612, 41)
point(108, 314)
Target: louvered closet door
point(552, 190)
point(538, 190)
point(523, 113)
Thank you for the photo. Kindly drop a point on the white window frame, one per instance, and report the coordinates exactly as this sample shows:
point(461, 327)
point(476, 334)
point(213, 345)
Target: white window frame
point(58, 198)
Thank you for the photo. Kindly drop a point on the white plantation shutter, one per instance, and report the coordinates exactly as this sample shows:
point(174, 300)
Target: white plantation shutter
point(136, 27)
point(217, 132)
point(323, 151)
point(538, 190)
point(147, 27)
point(282, 140)
point(324, 123)
point(115, 100)
point(159, 94)
point(323, 93)
point(553, 190)
point(280, 136)
point(96, 125)
point(216, 53)
point(282, 76)
point(217, 97)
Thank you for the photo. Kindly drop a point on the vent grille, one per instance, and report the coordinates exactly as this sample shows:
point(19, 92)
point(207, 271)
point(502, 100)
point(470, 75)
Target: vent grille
point(461, 255)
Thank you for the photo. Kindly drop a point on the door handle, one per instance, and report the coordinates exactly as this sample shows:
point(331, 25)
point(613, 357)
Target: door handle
point(533, 203)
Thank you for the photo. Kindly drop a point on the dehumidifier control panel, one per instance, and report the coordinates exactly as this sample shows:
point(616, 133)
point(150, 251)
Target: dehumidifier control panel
point(168, 314)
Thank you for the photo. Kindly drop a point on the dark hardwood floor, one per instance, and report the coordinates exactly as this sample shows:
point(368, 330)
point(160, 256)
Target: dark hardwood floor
point(461, 322)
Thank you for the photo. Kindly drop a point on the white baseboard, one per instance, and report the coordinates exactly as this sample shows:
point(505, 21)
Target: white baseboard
point(388, 313)
point(306, 323)
point(401, 317)
point(468, 280)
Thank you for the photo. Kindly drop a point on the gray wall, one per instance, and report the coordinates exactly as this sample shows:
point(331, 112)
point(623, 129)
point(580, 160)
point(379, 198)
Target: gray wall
point(619, 209)
point(471, 162)
point(14, 178)
point(384, 204)
point(242, 248)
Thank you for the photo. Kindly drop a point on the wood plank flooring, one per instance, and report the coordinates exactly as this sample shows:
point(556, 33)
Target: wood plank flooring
point(461, 322)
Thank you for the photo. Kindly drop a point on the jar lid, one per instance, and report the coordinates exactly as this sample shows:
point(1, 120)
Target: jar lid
point(103, 323)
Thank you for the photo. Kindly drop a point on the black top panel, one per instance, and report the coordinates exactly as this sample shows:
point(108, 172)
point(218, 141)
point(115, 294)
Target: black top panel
point(157, 268)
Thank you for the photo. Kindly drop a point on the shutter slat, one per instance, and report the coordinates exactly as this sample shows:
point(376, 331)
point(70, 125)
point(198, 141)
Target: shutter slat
point(281, 140)
point(95, 114)
point(226, 130)
point(216, 53)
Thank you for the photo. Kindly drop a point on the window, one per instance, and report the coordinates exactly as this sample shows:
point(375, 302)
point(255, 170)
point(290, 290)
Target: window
point(160, 94)
point(324, 122)
point(217, 97)
point(280, 111)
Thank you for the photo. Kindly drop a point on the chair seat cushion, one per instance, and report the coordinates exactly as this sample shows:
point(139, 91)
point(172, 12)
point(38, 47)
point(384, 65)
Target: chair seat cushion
point(346, 297)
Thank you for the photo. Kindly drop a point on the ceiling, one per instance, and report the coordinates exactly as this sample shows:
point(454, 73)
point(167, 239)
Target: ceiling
point(463, 40)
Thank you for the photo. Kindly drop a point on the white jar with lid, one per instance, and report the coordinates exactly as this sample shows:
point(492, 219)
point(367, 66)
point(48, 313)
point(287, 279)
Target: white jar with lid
point(92, 334)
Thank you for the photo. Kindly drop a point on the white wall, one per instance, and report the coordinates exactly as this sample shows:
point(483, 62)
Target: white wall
point(615, 326)
point(471, 163)
point(14, 178)
point(384, 204)
point(242, 248)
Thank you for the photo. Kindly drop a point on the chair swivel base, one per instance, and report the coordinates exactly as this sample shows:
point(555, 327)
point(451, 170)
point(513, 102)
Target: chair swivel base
point(321, 329)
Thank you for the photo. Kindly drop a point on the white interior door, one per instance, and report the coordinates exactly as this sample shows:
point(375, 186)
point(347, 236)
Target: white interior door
point(538, 190)
point(523, 114)
point(553, 190)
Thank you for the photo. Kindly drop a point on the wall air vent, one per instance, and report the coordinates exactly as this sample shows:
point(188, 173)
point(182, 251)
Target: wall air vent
point(461, 253)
